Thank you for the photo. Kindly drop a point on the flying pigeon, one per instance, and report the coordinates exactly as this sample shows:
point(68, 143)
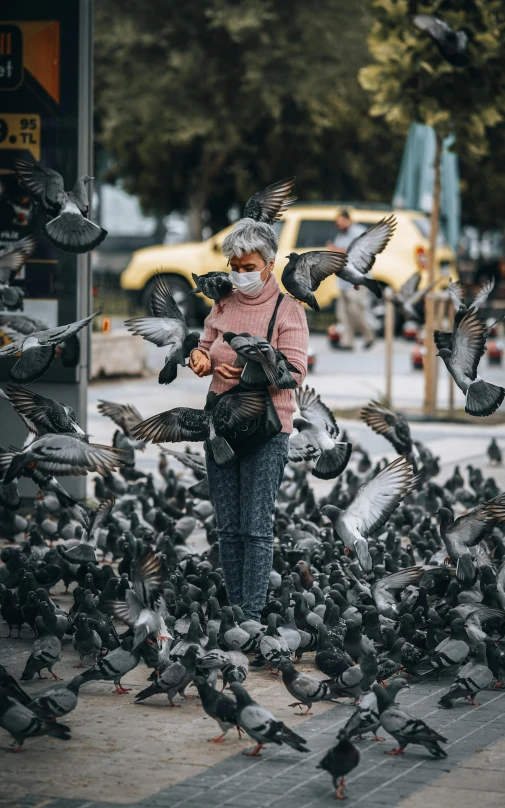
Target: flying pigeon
point(216, 285)
point(38, 349)
point(184, 423)
point(43, 415)
point(456, 294)
point(339, 761)
point(304, 273)
point(452, 45)
point(70, 229)
point(62, 455)
point(13, 255)
point(391, 425)
point(166, 328)
point(84, 551)
point(315, 439)
point(467, 531)
point(362, 252)
point(11, 297)
point(374, 503)
point(409, 296)
point(261, 725)
point(269, 205)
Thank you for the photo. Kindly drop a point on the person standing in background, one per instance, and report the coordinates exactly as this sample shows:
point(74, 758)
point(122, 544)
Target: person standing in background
point(352, 307)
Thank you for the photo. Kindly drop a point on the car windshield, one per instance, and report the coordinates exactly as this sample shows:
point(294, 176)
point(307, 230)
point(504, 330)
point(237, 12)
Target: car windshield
point(423, 225)
point(315, 233)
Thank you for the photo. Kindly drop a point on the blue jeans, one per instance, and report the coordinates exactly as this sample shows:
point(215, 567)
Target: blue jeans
point(243, 496)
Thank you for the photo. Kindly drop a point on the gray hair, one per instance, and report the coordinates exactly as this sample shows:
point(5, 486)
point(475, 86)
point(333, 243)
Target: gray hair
point(249, 236)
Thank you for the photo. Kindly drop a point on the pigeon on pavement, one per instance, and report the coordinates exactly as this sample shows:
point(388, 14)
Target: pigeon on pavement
point(261, 725)
point(166, 328)
point(452, 45)
point(174, 679)
point(22, 723)
point(471, 678)
point(405, 729)
point(339, 761)
point(115, 665)
point(303, 274)
point(45, 653)
point(86, 641)
point(306, 689)
point(58, 700)
point(70, 229)
point(219, 707)
point(366, 717)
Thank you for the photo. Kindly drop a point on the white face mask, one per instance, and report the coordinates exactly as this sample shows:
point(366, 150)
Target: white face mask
point(249, 283)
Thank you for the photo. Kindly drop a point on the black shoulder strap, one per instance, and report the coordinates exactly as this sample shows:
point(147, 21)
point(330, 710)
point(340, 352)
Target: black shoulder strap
point(274, 317)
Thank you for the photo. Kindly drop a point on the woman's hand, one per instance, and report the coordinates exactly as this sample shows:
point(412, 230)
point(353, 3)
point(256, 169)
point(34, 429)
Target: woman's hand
point(229, 372)
point(200, 363)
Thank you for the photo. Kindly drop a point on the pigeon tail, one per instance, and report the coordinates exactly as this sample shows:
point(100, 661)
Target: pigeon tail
point(483, 398)
point(332, 462)
point(374, 286)
point(60, 731)
point(147, 692)
point(16, 467)
point(466, 572)
point(73, 233)
point(222, 451)
point(169, 372)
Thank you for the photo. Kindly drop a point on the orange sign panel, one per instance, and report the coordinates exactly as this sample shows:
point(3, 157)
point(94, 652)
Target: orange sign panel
point(32, 46)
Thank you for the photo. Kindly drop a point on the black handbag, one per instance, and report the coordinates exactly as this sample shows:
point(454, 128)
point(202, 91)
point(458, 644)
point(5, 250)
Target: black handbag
point(256, 432)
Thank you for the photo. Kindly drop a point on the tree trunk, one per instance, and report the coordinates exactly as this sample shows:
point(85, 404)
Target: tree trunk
point(196, 207)
point(430, 359)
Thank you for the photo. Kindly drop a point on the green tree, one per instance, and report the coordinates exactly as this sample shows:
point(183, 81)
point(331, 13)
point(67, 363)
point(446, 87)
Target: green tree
point(202, 103)
point(409, 81)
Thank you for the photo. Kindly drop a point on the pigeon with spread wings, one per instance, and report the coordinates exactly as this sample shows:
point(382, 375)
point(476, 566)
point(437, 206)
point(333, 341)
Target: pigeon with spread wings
point(303, 274)
point(215, 285)
point(166, 328)
point(391, 425)
point(84, 552)
point(69, 229)
point(126, 416)
point(451, 45)
point(269, 205)
point(461, 354)
point(409, 297)
point(315, 439)
point(38, 349)
point(372, 506)
point(362, 253)
point(43, 415)
point(184, 423)
point(143, 606)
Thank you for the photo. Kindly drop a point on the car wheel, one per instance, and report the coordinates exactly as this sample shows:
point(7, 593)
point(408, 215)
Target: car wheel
point(180, 290)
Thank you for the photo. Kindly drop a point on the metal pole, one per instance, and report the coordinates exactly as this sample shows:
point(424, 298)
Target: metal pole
point(389, 333)
point(430, 403)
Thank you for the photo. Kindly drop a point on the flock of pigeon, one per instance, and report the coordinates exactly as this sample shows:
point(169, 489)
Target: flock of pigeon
point(390, 576)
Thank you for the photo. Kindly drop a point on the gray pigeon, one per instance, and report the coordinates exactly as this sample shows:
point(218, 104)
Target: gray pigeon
point(306, 689)
point(38, 349)
point(184, 423)
point(467, 531)
point(303, 274)
point(45, 653)
point(22, 723)
point(461, 353)
point(86, 641)
point(61, 455)
point(405, 729)
point(480, 299)
point(315, 437)
point(219, 707)
point(174, 679)
point(409, 296)
point(215, 285)
point(453, 650)
point(269, 205)
point(166, 328)
point(84, 551)
point(115, 665)
point(391, 425)
point(13, 255)
point(42, 415)
point(57, 701)
point(366, 717)
point(362, 252)
point(263, 364)
point(452, 45)
point(471, 678)
point(261, 725)
point(70, 229)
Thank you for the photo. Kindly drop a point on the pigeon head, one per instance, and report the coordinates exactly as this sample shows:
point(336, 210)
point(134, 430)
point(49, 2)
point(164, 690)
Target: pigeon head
point(87, 179)
point(445, 516)
point(228, 336)
point(343, 735)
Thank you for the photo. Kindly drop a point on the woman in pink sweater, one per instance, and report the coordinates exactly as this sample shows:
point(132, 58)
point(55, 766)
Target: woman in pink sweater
point(243, 494)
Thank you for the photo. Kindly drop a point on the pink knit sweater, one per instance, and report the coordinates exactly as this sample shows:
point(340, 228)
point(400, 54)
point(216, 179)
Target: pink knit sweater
point(239, 313)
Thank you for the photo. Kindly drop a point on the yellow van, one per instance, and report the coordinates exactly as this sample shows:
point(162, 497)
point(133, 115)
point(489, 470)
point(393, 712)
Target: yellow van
point(303, 227)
